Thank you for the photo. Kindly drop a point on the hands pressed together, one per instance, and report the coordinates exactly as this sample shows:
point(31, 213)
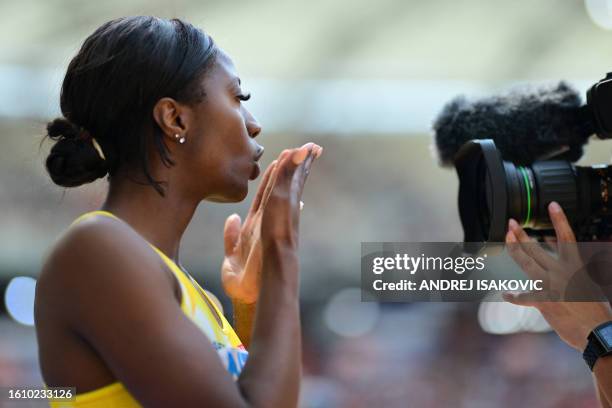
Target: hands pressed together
point(273, 219)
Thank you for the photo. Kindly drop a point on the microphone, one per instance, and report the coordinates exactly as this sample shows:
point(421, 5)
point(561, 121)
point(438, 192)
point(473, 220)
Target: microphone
point(525, 124)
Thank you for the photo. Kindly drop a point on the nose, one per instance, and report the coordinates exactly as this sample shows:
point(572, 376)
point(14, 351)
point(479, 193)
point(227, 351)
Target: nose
point(253, 126)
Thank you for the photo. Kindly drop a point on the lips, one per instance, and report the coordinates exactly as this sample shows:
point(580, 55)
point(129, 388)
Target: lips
point(255, 172)
point(260, 152)
point(256, 169)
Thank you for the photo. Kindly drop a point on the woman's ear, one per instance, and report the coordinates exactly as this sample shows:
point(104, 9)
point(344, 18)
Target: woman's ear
point(170, 116)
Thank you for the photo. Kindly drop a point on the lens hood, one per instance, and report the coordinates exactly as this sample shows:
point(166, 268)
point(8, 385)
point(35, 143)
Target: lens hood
point(483, 195)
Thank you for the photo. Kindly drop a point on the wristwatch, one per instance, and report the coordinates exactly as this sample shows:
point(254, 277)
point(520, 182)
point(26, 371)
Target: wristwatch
point(599, 344)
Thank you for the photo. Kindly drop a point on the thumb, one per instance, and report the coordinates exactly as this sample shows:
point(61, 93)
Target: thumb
point(518, 299)
point(231, 233)
point(531, 298)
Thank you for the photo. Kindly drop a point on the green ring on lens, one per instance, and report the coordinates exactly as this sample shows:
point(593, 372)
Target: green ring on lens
point(528, 186)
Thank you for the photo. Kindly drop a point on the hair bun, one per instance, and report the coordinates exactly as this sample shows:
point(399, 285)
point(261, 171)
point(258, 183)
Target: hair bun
point(73, 159)
point(62, 128)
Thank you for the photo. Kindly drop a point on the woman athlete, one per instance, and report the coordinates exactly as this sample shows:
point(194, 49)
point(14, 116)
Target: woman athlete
point(156, 105)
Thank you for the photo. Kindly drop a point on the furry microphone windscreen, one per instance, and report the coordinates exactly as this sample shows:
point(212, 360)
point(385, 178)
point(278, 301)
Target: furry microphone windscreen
point(526, 124)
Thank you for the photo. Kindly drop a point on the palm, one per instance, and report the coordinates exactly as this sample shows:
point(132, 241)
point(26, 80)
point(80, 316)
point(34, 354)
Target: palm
point(241, 268)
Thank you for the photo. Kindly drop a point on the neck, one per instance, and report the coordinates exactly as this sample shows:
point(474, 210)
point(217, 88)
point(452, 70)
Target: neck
point(160, 220)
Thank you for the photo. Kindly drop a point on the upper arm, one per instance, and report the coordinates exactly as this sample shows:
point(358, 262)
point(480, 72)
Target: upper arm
point(117, 297)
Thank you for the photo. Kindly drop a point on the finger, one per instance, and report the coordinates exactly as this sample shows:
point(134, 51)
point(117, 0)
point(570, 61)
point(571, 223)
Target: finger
point(287, 169)
point(314, 154)
point(319, 152)
point(531, 299)
point(551, 242)
point(283, 184)
point(272, 182)
point(291, 161)
point(262, 188)
point(304, 170)
point(231, 233)
point(560, 223)
point(531, 247)
point(300, 155)
point(229, 279)
point(565, 235)
point(281, 213)
point(524, 261)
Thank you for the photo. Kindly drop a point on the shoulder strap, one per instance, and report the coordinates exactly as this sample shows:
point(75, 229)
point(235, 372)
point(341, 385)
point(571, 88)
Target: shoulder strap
point(92, 214)
point(174, 268)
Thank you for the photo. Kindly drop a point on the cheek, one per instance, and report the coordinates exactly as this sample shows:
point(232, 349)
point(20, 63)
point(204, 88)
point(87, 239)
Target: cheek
point(225, 158)
point(230, 151)
point(232, 140)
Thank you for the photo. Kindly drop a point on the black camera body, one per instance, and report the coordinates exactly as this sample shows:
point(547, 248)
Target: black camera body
point(517, 155)
point(599, 106)
point(492, 190)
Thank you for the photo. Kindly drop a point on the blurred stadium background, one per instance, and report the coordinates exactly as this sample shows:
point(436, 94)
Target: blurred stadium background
point(363, 79)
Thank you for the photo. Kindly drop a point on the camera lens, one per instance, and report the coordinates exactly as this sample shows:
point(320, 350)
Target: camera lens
point(532, 188)
point(491, 191)
point(482, 191)
point(521, 193)
point(485, 198)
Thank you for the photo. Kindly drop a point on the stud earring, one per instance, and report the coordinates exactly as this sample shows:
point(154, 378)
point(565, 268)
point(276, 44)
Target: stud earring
point(181, 139)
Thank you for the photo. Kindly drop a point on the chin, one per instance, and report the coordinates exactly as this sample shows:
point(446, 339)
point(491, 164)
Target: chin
point(232, 195)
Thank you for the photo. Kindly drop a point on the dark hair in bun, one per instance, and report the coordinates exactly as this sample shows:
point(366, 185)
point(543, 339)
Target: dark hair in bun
point(109, 92)
point(73, 159)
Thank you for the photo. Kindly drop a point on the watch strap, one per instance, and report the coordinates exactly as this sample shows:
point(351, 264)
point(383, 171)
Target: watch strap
point(595, 348)
point(592, 352)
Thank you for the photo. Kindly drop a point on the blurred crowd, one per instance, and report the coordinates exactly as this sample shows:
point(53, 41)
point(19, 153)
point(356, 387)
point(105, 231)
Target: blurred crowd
point(422, 355)
point(355, 354)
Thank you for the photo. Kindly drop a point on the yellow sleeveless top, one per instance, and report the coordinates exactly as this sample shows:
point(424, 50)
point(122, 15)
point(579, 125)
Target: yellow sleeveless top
point(194, 304)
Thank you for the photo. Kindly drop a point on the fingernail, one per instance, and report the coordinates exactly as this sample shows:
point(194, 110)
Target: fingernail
point(508, 296)
point(510, 237)
point(554, 207)
point(512, 224)
point(319, 152)
point(299, 156)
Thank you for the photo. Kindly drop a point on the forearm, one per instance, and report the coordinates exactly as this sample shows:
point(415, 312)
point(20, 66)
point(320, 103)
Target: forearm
point(272, 374)
point(602, 372)
point(603, 401)
point(244, 320)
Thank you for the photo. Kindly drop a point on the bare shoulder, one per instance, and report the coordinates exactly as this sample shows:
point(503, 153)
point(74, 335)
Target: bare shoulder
point(92, 262)
point(105, 312)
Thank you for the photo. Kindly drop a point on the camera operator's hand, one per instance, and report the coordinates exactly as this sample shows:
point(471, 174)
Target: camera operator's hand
point(573, 321)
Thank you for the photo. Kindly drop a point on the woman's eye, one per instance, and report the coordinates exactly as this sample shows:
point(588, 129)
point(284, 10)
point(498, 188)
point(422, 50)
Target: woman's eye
point(244, 97)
